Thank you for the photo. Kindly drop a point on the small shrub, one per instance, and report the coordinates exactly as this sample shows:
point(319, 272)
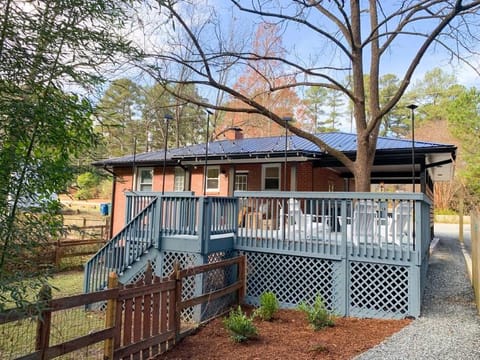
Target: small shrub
point(268, 306)
point(239, 325)
point(317, 314)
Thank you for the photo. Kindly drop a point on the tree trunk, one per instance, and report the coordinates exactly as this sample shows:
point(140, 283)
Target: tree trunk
point(363, 164)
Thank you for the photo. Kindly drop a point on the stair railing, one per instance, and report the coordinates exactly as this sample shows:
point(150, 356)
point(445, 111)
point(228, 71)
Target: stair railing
point(124, 248)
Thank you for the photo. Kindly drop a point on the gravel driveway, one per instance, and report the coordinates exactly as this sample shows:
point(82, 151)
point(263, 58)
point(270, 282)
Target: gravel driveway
point(449, 327)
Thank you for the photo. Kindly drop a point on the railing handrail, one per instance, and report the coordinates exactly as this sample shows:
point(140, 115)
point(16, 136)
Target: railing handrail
point(114, 243)
point(417, 196)
point(118, 235)
point(157, 194)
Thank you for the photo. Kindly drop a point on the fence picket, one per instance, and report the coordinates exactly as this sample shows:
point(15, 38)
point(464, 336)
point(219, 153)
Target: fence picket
point(110, 316)
point(142, 319)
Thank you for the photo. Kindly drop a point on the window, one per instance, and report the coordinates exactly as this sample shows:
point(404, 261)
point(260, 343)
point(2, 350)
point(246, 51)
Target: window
point(241, 181)
point(213, 183)
point(144, 179)
point(179, 181)
point(271, 177)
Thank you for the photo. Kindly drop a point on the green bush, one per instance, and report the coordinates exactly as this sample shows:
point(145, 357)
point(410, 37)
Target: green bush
point(87, 186)
point(268, 306)
point(317, 314)
point(240, 326)
point(445, 212)
point(88, 180)
point(105, 189)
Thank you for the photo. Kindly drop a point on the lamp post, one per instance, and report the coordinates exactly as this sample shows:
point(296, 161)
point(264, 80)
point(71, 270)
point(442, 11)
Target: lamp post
point(286, 119)
point(206, 153)
point(412, 108)
point(166, 119)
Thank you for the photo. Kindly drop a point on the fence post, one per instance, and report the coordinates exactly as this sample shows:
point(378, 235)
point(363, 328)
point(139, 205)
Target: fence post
point(108, 227)
point(58, 253)
point(175, 307)
point(44, 321)
point(475, 239)
point(110, 320)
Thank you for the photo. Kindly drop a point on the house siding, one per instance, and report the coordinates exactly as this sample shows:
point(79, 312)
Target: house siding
point(124, 182)
point(323, 179)
point(308, 178)
point(304, 177)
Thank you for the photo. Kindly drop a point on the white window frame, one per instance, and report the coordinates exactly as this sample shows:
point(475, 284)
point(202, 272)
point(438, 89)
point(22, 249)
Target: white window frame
point(177, 177)
point(140, 181)
point(211, 189)
point(240, 173)
point(264, 171)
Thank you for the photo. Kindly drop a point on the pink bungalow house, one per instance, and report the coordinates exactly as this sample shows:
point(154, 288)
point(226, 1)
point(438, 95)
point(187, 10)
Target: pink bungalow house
point(272, 164)
point(289, 208)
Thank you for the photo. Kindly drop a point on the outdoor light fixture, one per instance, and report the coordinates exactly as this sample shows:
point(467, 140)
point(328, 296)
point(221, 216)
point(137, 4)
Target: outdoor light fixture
point(206, 154)
point(412, 108)
point(166, 119)
point(286, 119)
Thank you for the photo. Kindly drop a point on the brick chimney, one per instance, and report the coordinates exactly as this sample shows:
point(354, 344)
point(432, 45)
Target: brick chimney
point(233, 133)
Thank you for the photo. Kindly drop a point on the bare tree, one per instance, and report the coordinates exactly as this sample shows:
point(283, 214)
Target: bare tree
point(347, 40)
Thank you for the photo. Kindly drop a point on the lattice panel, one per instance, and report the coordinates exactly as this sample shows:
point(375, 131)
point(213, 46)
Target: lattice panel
point(378, 290)
point(292, 278)
point(101, 306)
point(141, 274)
point(189, 283)
point(215, 280)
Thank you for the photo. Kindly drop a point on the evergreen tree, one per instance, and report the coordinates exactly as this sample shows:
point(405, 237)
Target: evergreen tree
point(46, 47)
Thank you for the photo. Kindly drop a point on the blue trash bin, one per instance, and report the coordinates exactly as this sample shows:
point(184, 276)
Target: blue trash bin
point(104, 209)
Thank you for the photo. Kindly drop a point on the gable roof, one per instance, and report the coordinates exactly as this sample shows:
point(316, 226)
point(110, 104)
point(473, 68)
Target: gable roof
point(272, 147)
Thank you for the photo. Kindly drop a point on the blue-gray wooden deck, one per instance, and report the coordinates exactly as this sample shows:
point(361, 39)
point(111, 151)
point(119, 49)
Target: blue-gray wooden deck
point(365, 253)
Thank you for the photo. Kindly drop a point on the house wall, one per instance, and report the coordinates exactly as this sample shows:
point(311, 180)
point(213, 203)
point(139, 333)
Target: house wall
point(327, 180)
point(158, 176)
point(254, 175)
point(308, 178)
point(123, 183)
point(196, 184)
point(304, 177)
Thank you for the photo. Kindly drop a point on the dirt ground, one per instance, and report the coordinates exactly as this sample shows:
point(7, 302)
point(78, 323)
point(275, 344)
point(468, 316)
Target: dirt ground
point(288, 336)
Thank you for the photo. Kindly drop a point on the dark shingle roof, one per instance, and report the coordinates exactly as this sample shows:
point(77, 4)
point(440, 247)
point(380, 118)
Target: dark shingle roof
point(273, 146)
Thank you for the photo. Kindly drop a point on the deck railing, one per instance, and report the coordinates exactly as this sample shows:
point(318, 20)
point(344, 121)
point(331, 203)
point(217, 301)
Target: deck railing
point(366, 253)
point(136, 201)
point(197, 224)
point(166, 222)
point(123, 249)
point(372, 225)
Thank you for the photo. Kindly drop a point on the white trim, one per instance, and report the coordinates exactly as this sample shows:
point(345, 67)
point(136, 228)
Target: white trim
point(293, 177)
point(240, 173)
point(276, 165)
point(256, 160)
point(179, 176)
point(218, 179)
point(138, 180)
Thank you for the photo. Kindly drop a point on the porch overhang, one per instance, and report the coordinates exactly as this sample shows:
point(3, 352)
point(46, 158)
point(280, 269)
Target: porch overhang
point(397, 167)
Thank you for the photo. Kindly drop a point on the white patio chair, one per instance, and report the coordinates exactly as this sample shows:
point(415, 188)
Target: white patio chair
point(401, 226)
point(299, 225)
point(364, 223)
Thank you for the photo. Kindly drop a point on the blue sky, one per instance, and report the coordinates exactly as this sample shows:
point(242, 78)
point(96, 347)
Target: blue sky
point(307, 44)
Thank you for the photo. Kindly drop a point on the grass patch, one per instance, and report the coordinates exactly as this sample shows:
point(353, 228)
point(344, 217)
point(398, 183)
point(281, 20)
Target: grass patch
point(17, 338)
point(66, 284)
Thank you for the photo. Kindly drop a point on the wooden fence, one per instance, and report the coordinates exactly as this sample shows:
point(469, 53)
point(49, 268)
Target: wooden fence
point(475, 238)
point(142, 319)
point(65, 248)
point(80, 240)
